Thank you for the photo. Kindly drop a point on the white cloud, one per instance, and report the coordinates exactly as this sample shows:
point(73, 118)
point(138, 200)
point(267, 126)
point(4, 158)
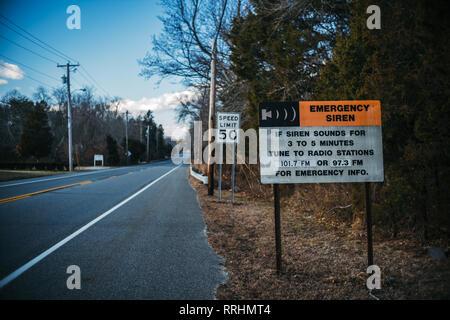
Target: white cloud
point(167, 101)
point(163, 108)
point(10, 71)
point(3, 81)
point(176, 132)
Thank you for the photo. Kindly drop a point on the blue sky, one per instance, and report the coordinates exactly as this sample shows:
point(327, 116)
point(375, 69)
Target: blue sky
point(113, 35)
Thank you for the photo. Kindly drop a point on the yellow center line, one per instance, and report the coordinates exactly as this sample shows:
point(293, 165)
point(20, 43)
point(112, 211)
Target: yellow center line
point(23, 196)
point(9, 200)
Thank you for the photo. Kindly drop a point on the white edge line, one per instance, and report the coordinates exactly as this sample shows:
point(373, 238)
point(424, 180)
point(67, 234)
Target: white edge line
point(44, 254)
point(64, 176)
point(56, 178)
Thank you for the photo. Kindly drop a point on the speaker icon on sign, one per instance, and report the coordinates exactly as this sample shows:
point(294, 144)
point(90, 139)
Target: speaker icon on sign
point(275, 114)
point(266, 114)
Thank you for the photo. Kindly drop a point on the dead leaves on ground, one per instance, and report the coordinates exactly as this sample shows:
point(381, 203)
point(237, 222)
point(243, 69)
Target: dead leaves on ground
point(321, 259)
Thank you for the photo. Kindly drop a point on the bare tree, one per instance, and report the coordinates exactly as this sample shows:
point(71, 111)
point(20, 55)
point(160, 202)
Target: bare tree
point(184, 50)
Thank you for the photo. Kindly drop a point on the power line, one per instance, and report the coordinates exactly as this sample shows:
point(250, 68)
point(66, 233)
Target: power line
point(46, 58)
point(86, 80)
point(76, 81)
point(44, 84)
point(56, 51)
point(44, 43)
point(39, 45)
point(84, 69)
point(93, 82)
point(25, 75)
point(22, 64)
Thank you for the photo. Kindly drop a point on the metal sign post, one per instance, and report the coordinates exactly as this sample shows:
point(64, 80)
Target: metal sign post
point(220, 169)
point(369, 225)
point(232, 173)
point(276, 201)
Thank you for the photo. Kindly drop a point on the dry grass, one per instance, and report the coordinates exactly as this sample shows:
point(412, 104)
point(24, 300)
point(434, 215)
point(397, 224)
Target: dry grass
point(321, 260)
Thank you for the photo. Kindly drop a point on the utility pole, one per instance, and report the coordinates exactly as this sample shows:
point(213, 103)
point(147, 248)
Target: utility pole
point(140, 129)
point(157, 144)
point(69, 111)
point(126, 134)
point(212, 98)
point(148, 143)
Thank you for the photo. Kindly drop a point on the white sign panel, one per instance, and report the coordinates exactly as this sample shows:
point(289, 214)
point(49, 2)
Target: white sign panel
point(227, 127)
point(298, 147)
point(98, 157)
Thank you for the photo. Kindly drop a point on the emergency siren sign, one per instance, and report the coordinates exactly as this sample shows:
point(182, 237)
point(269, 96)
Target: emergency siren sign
point(320, 142)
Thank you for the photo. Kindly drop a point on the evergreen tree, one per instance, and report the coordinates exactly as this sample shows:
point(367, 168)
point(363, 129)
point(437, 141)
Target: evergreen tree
point(280, 46)
point(149, 121)
point(113, 154)
point(160, 142)
point(406, 66)
point(36, 139)
point(136, 148)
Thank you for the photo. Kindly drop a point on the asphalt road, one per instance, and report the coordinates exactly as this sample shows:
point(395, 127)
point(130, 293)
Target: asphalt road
point(134, 232)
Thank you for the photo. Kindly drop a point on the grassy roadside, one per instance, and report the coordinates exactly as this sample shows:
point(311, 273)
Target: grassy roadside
point(7, 175)
point(320, 260)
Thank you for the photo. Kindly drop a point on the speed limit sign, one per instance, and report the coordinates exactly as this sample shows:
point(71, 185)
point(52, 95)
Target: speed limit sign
point(227, 132)
point(227, 127)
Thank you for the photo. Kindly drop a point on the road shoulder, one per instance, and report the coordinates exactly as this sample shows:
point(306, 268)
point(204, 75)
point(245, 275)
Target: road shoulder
point(320, 260)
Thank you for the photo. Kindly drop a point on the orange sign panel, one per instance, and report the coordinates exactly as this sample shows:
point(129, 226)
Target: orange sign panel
point(340, 113)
